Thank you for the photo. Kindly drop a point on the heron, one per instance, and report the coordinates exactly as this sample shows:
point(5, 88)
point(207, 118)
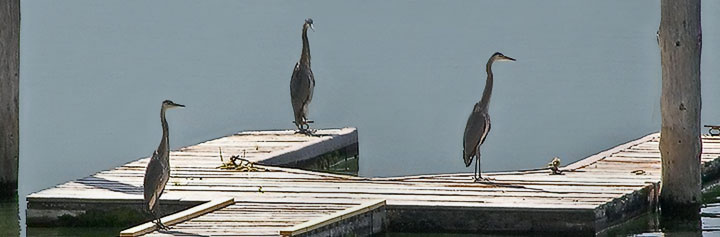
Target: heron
point(302, 83)
point(478, 124)
point(158, 168)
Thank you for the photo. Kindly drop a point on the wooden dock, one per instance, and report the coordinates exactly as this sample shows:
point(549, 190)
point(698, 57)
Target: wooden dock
point(592, 194)
point(118, 188)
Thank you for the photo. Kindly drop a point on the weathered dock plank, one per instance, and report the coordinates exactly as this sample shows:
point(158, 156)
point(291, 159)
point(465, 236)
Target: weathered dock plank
point(362, 220)
point(179, 217)
point(263, 218)
point(592, 194)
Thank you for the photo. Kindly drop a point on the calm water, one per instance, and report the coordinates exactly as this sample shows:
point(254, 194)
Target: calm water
point(647, 225)
point(405, 73)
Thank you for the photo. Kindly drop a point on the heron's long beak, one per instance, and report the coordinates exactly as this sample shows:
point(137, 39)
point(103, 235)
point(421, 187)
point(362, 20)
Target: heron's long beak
point(312, 27)
point(178, 105)
point(508, 58)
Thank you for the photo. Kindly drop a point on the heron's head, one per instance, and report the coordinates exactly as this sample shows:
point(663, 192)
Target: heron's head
point(497, 56)
point(309, 24)
point(168, 104)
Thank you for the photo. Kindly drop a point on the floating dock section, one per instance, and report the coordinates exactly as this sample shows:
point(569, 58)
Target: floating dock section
point(590, 195)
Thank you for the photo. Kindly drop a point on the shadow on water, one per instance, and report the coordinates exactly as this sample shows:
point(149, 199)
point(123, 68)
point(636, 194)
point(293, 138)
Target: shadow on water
point(9, 219)
point(88, 231)
point(74, 231)
point(396, 234)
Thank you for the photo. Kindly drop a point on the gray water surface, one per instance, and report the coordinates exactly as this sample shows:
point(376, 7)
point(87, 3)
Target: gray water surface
point(405, 73)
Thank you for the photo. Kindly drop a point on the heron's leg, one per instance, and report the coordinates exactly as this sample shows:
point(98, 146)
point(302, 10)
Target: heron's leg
point(310, 131)
point(301, 127)
point(158, 222)
point(305, 129)
point(479, 169)
point(476, 171)
point(160, 225)
point(479, 177)
point(298, 124)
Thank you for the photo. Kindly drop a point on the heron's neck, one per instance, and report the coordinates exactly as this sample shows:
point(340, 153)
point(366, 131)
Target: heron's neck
point(305, 56)
point(165, 142)
point(488, 85)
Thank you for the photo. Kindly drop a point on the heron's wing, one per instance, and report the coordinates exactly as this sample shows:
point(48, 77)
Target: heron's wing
point(154, 183)
point(311, 89)
point(295, 93)
point(302, 84)
point(477, 128)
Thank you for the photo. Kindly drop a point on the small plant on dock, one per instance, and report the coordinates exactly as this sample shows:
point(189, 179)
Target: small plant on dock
point(239, 163)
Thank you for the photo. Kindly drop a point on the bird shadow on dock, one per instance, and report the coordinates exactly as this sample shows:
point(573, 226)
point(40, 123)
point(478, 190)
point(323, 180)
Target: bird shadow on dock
point(517, 186)
point(111, 185)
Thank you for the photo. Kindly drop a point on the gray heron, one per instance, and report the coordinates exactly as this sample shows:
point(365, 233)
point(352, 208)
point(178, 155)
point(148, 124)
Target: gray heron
point(478, 124)
point(302, 83)
point(158, 168)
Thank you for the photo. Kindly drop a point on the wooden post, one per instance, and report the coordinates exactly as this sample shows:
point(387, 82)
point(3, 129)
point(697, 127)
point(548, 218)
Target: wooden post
point(9, 90)
point(680, 41)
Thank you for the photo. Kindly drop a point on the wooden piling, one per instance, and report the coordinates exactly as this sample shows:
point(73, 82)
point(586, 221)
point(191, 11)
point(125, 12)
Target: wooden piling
point(679, 38)
point(9, 90)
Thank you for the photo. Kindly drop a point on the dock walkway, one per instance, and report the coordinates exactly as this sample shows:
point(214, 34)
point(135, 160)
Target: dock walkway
point(592, 194)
